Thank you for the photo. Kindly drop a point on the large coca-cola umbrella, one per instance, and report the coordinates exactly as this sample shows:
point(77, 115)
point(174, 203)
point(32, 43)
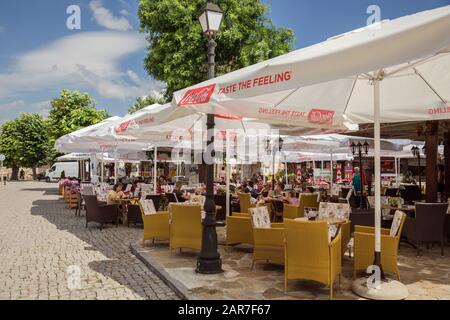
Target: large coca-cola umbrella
point(391, 71)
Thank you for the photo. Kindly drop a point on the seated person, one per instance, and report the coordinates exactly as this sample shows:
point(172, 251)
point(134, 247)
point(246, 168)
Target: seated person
point(115, 194)
point(292, 199)
point(180, 194)
point(278, 192)
point(251, 189)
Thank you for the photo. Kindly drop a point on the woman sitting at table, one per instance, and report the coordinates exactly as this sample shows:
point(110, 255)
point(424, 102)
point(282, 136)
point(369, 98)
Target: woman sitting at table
point(278, 192)
point(115, 194)
point(180, 194)
point(292, 199)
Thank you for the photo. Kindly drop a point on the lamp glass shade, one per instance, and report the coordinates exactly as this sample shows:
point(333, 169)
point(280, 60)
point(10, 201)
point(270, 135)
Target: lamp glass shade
point(210, 18)
point(214, 21)
point(353, 146)
point(366, 147)
point(203, 22)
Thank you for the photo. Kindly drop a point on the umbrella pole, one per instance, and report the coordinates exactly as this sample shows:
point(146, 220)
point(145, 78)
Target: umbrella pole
point(380, 289)
point(286, 169)
point(396, 171)
point(331, 170)
point(155, 169)
point(377, 136)
point(228, 173)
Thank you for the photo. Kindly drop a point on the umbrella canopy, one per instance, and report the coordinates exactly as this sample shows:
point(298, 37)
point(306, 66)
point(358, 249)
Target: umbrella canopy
point(74, 157)
point(150, 123)
point(329, 84)
point(99, 137)
point(391, 71)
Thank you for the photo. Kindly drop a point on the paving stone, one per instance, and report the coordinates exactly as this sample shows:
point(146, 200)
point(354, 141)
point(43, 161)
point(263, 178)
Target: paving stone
point(40, 238)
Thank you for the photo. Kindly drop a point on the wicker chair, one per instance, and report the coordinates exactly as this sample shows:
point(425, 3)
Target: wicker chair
point(134, 215)
point(156, 198)
point(309, 255)
point(245, 202)
point(156, 225)
point(428, 226)
point(239, 229)
point(186, 227)
point(102, 214)
point(364, 248)
point(268, 242)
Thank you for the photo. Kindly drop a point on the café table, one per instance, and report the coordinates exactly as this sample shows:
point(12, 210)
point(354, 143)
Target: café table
point(329, 220)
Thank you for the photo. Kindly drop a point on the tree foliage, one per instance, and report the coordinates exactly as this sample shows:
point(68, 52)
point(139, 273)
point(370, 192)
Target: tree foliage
point(10, 143)
point(177, 47)
point(143, 102)
point(25, 141)
point(71, 111)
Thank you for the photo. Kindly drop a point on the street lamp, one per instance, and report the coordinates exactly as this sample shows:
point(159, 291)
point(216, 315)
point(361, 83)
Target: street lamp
point(270, 149)
point(209, 261)
point(416, 153)
point(358, 150)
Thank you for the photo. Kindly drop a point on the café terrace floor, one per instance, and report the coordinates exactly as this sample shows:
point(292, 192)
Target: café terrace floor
point(426, 276)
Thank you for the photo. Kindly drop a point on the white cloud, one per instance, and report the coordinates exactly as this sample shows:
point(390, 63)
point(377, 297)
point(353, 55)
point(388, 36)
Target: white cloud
point(105, 18)
point(2, 29)
point(88, 58)
point(12, 106)
point(124, 12)
point(18, 106)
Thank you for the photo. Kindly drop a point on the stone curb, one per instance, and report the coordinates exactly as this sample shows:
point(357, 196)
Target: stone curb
point(145, 256)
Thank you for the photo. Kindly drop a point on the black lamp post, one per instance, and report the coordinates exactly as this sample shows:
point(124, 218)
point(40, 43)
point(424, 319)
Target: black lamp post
point(209, 261)
point(358, 150)
point(416, 153)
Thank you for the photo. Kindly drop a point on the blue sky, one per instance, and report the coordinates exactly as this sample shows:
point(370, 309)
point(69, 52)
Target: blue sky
point(39, 55)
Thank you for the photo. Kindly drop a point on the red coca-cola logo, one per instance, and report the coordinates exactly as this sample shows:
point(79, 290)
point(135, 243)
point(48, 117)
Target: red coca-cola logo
point(197, 96)
point(221, 116)
point(123, 126)
point(322, 117)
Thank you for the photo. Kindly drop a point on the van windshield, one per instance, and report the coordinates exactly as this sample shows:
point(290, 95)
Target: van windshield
point(53, 169)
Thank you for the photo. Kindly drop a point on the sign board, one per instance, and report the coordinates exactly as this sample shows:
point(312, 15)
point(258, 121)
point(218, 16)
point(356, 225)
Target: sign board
point(2, 157)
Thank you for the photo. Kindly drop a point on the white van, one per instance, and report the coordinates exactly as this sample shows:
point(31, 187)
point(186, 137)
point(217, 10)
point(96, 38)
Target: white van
point(70, 169)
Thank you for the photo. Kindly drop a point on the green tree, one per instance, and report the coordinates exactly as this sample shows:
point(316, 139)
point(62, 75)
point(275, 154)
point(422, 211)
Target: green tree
point(143, 102)
point(36, 148)
point(71, 111)
point(177, 48)
point(10, 147)
point(25, 141)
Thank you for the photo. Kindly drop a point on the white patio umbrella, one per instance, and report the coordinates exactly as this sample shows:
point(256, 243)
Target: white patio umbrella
point(400, 67)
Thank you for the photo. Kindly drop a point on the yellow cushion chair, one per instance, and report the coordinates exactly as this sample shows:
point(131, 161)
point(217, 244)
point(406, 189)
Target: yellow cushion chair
point(309, 255)
point(364, 247)
point(341, 211)
point(239, 229)
point(307, 200)
point(185, 226)
point(245, 202)
point(156, 225)
point(268, 238)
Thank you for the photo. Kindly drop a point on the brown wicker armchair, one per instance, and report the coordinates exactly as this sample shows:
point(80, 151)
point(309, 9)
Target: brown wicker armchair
point(428, 225)
point(134, 215)
point(102, 214)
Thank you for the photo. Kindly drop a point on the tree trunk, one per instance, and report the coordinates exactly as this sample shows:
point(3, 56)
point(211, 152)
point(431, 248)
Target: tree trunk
point(15, 173)
point(34, 172)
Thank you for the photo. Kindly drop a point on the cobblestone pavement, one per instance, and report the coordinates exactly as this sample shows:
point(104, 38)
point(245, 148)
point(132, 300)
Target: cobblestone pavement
point(47, 253)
